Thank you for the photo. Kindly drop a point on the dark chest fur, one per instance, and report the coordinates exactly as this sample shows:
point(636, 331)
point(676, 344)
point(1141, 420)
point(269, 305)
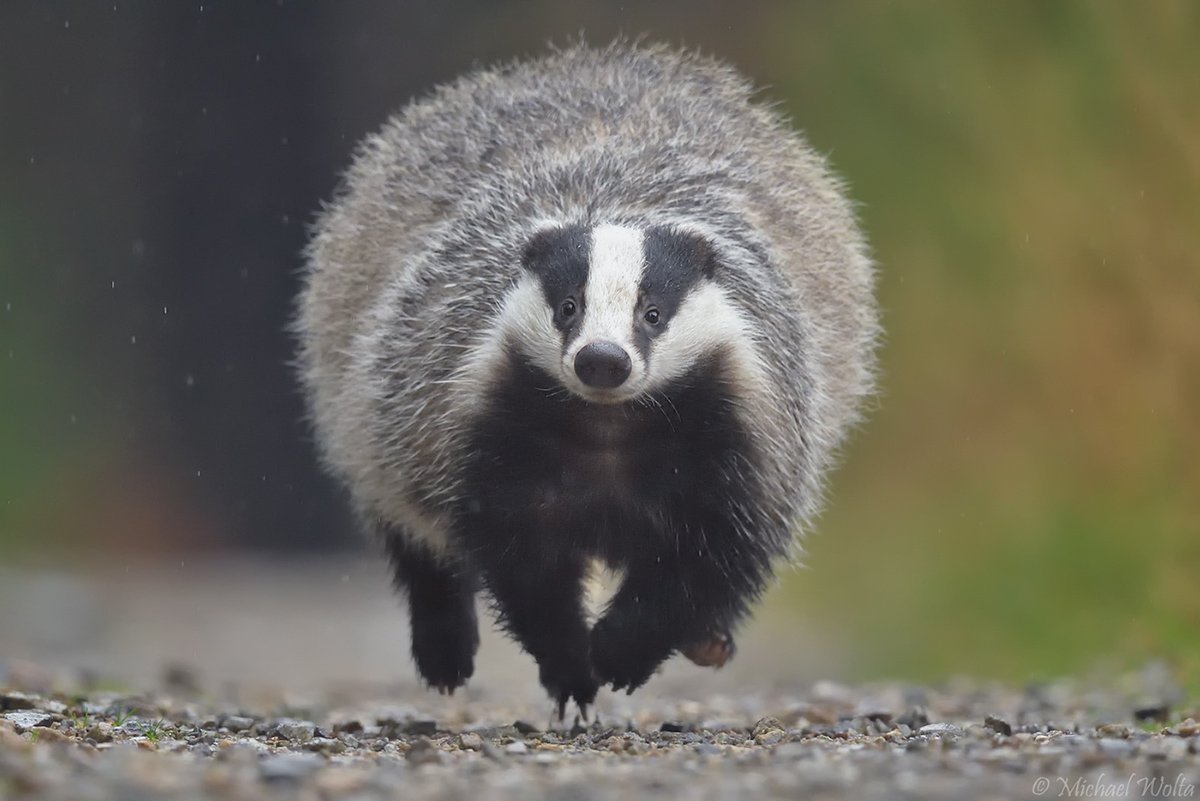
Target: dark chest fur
point(561, 475)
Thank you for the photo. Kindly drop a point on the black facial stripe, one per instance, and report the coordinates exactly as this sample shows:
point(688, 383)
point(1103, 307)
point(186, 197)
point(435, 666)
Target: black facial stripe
point(675, 262)
point(559, 258)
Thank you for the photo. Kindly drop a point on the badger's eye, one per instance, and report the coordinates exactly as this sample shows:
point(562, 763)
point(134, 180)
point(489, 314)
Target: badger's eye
point(651, 316)
point(568, 308)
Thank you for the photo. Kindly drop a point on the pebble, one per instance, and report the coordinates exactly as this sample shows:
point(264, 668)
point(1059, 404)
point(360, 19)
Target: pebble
point(325, 745)
point(45, 734)
point(516, 748)
point(292, 768)
point(939, 729)
point(470, 741)
point(14, 701)
point(424, 752)
point(298, 731)
point(998, 725)
point(236, 723)
point(28, 720)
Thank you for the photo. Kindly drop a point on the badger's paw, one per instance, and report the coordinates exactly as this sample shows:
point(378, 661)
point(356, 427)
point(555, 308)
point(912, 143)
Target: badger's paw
point(712, 652)
point(623, 659)
point(569, 680)
point(445, 654)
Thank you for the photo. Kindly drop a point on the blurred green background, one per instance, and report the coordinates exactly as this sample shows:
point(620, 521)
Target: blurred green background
point(1024, 499)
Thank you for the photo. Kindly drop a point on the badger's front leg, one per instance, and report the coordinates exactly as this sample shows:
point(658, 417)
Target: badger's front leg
point(673, 602)
point(441, 605)
point(540, 602)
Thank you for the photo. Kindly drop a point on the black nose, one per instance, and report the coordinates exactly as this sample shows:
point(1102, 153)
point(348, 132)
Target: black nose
point(603, 365)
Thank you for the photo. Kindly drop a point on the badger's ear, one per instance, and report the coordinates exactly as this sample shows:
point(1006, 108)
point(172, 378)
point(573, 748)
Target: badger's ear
point(704, 255)
point(688, 249)
point(553, 244)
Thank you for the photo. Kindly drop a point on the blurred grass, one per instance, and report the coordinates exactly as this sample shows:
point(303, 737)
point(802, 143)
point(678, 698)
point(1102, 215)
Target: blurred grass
point(1026, 500)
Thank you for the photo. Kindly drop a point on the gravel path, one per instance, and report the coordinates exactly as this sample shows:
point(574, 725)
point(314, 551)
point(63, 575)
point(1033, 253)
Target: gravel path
point(253, 681)
point(830, 742)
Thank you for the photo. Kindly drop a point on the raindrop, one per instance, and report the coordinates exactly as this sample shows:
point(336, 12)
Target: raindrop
point(164, 309)
point(74, 419)
point(133, 340)
point(67, 24)
point(114, 284)
point(285, 219)
point(190, 380)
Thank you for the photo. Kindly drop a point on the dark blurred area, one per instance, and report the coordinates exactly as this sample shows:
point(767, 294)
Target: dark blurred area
point(1026, 496)
point(159, 164)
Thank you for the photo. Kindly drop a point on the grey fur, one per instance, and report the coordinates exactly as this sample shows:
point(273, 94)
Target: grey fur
point(408, 263)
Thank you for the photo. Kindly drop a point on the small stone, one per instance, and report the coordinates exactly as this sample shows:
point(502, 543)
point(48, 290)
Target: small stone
point(470, 741)
point(348, 727)
point(289, 768)
point(28, 720)
point(134, 726)
point(325, 745)
point(1114, 730)
point(423, 752)
point(673, 727)
point(998, 725)
point(765, 725)
point(1189, 728)
point(14, 701)
point(236, 723)
point(419, 728)
point(516, 748)
point(940, 729)
point(525, 728)
point(12, 742)
point(101, 732)
point(769, 737)
point(914, 718)
point(45, 734)
point(297, 731)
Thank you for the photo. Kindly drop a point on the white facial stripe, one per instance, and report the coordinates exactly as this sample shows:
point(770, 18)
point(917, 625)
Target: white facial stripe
point(523, 318)
point(705, 322)
point(611, 294)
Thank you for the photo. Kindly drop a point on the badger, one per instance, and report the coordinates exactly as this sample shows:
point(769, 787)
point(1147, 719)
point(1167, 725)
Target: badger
point(598, 306)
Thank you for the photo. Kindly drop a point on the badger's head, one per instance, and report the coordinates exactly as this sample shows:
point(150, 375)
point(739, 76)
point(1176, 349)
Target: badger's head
point(612, 312)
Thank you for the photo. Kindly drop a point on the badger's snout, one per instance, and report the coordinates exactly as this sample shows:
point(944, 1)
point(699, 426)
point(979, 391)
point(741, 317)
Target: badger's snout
point(603, 365)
